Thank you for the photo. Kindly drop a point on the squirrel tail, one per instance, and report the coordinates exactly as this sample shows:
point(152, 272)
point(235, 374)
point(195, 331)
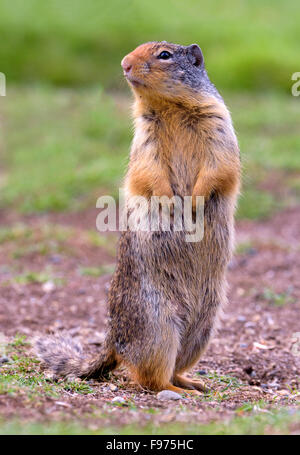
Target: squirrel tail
point(64, 356)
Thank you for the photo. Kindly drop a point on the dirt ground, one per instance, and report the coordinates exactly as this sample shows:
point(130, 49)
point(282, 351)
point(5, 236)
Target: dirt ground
point(252, 359)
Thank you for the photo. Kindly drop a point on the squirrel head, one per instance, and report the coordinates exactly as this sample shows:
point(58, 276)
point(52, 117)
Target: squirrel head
point(168, 71)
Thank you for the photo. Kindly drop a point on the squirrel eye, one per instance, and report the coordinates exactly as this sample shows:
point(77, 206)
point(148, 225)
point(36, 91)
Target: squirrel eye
point(164, 55)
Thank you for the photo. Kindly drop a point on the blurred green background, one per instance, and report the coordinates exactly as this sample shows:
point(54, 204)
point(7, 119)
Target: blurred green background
point(65, 122)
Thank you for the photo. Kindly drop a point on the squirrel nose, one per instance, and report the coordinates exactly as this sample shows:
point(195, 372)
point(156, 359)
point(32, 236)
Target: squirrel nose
point(126, 65)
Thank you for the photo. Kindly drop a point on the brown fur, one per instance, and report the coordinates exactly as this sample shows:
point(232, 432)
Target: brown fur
point(166, 293)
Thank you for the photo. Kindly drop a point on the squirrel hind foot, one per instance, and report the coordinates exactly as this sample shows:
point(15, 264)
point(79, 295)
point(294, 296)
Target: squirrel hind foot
point(190, 384)
point(182, 390)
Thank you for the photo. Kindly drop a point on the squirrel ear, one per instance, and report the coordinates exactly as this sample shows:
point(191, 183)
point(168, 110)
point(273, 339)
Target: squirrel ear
point(196, 53)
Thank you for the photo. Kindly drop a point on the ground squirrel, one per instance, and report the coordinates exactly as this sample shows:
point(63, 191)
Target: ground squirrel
point(166, 293)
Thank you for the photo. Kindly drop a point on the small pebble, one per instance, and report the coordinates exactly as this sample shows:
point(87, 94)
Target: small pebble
point(49, 286)
point(168, 395)
point(202, 372)
point(62, 403)
point(249, 324)
point(240, 292)
point(248, 369)
point(72, 378)
point(49, 376)
point(118, 400)
point(74, 331)
point(113, 387)
point(55, 259)
point(4, 359)
point(283, 392)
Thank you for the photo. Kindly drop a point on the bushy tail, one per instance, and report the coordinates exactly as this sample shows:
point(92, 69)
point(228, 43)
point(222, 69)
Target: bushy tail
point(64, 356)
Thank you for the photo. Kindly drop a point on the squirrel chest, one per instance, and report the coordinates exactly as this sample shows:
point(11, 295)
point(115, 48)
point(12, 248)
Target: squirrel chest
point(174, 142)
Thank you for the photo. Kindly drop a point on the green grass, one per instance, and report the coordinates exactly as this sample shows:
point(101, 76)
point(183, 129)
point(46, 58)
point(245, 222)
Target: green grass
point(14, 233)
point(268, 130)
point(277, 299)
point(59, 146)
point(20, 376)
point(268, 134)
point(244, 247)
point(258, 423)
point(222, 387)
point(97, 271)
point(21, 379)
point(18, 341)
point(24, 241)
point(64, 148)
point(36, 277)
point(247, 45)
